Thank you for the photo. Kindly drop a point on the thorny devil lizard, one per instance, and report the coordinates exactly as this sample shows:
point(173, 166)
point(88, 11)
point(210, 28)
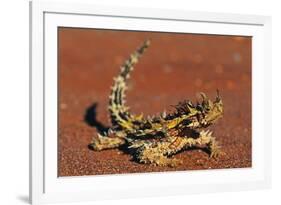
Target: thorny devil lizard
point(154, 140)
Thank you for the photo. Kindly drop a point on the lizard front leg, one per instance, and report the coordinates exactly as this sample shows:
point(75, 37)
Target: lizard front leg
point(206, 138)
point(158, 152)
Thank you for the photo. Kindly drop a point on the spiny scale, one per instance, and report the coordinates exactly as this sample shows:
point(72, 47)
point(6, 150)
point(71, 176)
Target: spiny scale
point(155, 138)
point(116, 98)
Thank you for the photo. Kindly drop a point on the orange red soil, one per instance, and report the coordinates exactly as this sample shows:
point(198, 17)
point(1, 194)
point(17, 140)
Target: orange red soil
point(174, 68)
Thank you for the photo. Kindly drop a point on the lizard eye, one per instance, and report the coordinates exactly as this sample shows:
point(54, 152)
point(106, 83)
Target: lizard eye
point(200, 107)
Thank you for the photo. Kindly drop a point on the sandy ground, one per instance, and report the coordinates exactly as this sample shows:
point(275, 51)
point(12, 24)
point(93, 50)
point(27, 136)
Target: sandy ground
point(174, 68)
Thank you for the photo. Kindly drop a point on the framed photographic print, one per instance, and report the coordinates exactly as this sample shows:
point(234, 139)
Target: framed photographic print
point(130, 102)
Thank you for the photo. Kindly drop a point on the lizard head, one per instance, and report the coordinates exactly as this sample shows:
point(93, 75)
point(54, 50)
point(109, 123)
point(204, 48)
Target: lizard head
point(202, 114)
point(209, 111)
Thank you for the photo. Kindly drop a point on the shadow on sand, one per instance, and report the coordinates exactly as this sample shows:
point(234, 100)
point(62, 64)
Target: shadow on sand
point(91, 119)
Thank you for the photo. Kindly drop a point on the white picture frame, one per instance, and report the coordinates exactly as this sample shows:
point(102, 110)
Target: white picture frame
point(46, 186)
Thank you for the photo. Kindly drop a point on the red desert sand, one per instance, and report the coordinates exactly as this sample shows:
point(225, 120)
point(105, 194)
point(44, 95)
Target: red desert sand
point(174, 68)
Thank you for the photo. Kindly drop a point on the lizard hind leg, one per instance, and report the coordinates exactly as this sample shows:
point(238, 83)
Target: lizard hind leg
point(106, 142)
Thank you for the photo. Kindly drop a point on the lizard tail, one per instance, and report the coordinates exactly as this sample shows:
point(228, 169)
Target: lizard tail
point(119, 113)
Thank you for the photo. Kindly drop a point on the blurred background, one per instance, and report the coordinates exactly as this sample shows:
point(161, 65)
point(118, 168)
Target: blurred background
point(175, 67)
